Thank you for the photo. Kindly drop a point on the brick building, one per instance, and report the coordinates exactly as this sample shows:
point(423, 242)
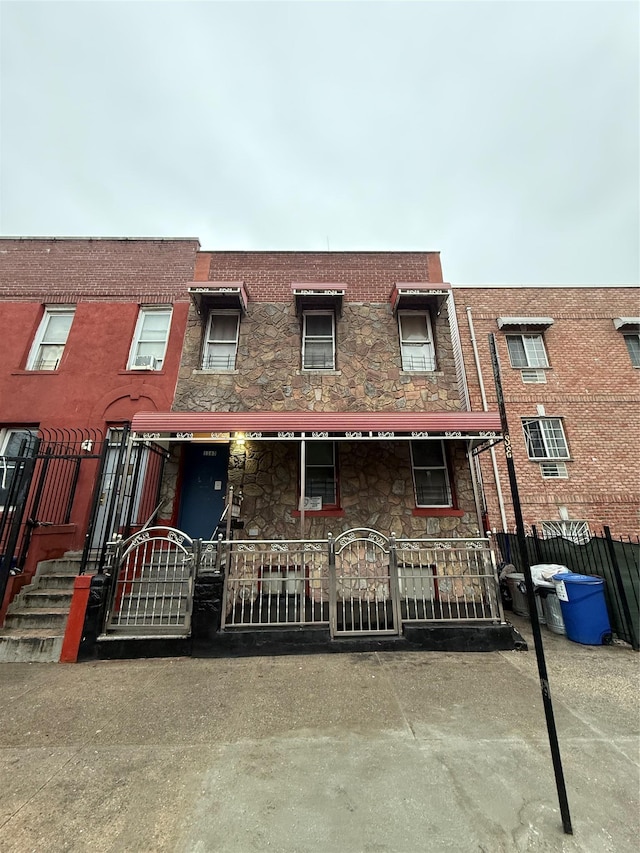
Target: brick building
point(569, 360)
point(91, 332)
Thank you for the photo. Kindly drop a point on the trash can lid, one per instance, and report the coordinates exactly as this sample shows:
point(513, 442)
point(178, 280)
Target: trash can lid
point(574, 578)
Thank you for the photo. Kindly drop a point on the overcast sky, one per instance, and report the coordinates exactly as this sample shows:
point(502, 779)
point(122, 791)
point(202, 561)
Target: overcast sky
point(504, 134)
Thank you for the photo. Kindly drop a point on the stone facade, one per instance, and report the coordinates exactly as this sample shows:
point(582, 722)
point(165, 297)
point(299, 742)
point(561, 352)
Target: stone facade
point(375, 478)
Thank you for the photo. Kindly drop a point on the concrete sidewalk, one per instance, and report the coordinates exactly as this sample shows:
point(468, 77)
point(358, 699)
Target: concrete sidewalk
point(381, 752)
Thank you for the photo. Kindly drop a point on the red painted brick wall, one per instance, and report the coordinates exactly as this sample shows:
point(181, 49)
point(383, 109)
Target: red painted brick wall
point(591, 384)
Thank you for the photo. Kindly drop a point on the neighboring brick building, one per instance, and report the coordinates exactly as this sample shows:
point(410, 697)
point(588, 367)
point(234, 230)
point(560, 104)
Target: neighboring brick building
point(339, 368)
point(569, 362)
point(91, 332)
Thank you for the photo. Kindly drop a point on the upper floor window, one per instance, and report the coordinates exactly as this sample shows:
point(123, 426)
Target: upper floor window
point(633, 345)
point(221, 341)
point(416, 341)
point(527, 351)
point(51, 338)
point(318, 340)
point(430, 474)
point(545, 438)
point(150, 339)
point(321, 481)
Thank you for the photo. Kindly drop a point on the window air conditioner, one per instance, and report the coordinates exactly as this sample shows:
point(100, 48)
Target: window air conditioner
point(145, 362)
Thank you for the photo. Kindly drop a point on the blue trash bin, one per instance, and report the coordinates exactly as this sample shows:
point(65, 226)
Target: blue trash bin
point(584, 609)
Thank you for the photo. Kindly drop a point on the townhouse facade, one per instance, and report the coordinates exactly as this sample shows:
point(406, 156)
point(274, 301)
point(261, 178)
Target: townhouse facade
point(569, 360)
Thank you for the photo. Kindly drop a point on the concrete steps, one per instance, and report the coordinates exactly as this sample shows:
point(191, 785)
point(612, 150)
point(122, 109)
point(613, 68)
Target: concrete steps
point(36, 619)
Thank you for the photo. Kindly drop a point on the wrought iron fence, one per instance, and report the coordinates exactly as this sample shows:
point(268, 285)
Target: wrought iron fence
point(615, 560)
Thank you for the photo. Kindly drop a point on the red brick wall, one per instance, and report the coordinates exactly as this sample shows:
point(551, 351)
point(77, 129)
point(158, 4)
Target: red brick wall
point(591, 384)
point(367, 276)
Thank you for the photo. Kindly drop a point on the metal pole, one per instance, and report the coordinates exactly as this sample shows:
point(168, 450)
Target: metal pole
point(533, 610)
point(303, 482)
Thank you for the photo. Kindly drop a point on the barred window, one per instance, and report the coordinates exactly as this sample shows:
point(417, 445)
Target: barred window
point(221, 342)
point(430, 474)
point(318, 340)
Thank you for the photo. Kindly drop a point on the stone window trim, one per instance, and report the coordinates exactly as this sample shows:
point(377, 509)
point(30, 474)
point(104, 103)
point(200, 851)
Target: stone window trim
point(150, 338)
point(50, 340)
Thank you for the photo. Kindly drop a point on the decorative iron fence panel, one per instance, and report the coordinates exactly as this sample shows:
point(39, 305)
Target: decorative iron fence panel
point(275, 583)
point(152, 583)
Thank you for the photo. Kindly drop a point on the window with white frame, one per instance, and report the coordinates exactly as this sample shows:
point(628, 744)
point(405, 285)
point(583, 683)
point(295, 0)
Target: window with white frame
point(15, 444)
point(221, 341)
point(633, 345)
point(416, 341)
point(149, 343)
point(430, 474)
point(318, 340)
point(545, 438)
point(49, 342)
point(527, 351)
point(321, 481)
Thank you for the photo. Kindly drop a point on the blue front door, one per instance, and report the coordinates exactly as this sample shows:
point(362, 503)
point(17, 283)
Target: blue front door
point(204, 484)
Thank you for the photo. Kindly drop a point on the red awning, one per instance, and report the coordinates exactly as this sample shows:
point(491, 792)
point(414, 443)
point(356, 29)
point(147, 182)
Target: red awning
point(352, 425)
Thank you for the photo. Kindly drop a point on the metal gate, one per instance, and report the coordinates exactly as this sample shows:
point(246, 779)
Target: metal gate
point(363, 586)
point(152, 579)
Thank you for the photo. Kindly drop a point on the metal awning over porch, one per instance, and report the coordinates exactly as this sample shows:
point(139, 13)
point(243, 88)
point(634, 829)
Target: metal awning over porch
point(474, 427)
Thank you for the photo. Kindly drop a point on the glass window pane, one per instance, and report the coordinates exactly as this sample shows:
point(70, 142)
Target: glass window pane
point(151, 348)
point(633, 345)
point(48, 357)
point(319, 453)
point(57, 330)
point(534, 348)
point(319, 325)
point(431, 488)
point(220, 357)
point(320, 483)
point(517, 354)
point(427, 454)
point(318, 354)
point(413, 327)
point(223, 327)
point(154, 326)
point(418, 357)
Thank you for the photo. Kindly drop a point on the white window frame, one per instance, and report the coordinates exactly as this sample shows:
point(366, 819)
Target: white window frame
point(535, 352)
point(443, 467)
point(306, 338)
point(308, 466)
point(552, 435)
point(156, 362)
point(634, 356)
point(34, 362)
point(6, 468)
point(210, 341)
point(407, 345)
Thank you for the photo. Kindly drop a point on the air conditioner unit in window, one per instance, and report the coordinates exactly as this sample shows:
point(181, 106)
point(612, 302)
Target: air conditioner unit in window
point(554, 470)
point(531, 376)
point(146, 362)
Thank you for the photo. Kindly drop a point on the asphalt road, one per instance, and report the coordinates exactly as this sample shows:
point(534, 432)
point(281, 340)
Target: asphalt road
point(333, 753)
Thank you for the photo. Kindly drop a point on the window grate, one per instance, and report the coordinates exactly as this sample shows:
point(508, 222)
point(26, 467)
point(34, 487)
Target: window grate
point(533, 377)
point(554, 471)
point(575, 531)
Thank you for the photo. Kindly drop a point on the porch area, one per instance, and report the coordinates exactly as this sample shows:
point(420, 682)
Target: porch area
point(360, 585)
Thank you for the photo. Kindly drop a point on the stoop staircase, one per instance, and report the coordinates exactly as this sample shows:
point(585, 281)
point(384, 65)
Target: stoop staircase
point(37, 617)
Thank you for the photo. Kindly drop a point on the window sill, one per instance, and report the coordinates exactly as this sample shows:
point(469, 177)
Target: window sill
point(429, 373)
point(35, 372)
point(133, 372)
point(550, 461)
point(437, 512)
point(306, 371)
point(322, 513)
point(200, 371)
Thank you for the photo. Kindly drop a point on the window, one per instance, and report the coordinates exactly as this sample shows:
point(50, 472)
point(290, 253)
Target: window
point(49, 342)
point(321, 483)
point(318, 340)
point(416, 341)
point(527, 351)
point(545, 438)
point(221, 341)
point(150, 339)
point(14, 443)
point(633, 345)
point(430, 474)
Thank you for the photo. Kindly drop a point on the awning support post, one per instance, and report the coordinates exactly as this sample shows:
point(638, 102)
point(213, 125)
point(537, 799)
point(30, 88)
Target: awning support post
point(303, 482)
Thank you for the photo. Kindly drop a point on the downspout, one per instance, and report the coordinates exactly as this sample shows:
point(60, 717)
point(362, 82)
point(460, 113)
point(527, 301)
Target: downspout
point(485, 408)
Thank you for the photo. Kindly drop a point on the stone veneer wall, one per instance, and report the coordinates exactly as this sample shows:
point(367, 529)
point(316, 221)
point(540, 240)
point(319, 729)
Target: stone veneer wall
point(268, 375)
point(376, 486)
